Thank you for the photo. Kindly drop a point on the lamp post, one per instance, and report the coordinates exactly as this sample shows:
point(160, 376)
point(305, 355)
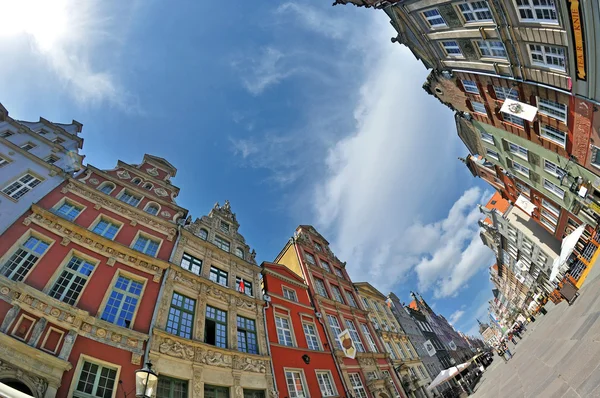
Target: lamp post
point(145, 382)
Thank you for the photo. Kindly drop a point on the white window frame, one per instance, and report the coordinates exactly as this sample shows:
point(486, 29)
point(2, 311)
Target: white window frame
point(293, 392)
point(101, 364)
point(493, 154)
point(438, 16)
point(548, 224)
point(334, 324)
point(531, 8)
point(554, 189)
point(355, 336)
point(149, 240)
point(126, 294)
point(553, 109)
point(554, 169)
point(523, 188)
point(320, 284)
point(472, 10)
point(552, 134)
point(550, 207)
point(282, 338)
point(491, 49)
point(502, 93)
point(133, 200)
point(469, 86)
point(65, 272)
point(517, 121)
point(369, 337)
point(4, 161)
point(390, 350)
point(519, 168)
point(337, 294)
point(34, 250)
point(518, 150)
point(357, 385)
point(289, 294)
point(152, 204)
point(19, 187)
point(312, 336)
point(479, 107)
point(451, 48)
point(326, 383)
point(487, 137)
point(547, 52)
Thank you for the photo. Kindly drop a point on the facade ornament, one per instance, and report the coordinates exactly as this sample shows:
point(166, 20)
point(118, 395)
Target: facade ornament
point(176, 349)
point(94, 181)
point(39, 327)
point(253, 256)
point(161, 192)
point(65, 241)
point(9, 318)
point(227, 206)
point(165, 214)
point(123, 174)
point(136, 359)
point(152, 171)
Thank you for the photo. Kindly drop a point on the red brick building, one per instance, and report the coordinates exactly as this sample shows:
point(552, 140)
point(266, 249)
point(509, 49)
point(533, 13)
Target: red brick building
point(80, 274)
point(370, 373)
point(300, 349)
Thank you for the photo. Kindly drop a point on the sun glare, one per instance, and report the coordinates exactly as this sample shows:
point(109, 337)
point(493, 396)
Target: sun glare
point(45, 20)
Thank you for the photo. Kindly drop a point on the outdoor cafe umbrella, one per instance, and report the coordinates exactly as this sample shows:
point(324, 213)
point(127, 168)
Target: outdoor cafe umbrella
point(566, 248)
point(447, 374)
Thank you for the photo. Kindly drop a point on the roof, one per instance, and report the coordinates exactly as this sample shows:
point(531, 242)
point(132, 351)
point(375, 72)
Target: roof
point(312, 229)
point(366, 286)
point(498, 202)
point(283, 271)
point(161, 161)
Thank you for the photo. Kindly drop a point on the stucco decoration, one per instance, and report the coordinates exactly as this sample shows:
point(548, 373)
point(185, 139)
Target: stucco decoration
point(161, 192)
point(165, 214)
point(94, 181)
point(366, 361)
point(245, 303)
point(176, 349)
point(213, 358)
point(152, 171)
point(37, 384)
point(249, 365)
point(123, 174)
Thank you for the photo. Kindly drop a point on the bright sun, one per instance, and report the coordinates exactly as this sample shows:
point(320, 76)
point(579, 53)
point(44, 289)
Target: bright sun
point(45, 20)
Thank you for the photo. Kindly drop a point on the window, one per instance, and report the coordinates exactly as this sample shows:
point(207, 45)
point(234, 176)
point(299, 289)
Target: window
point(181, 316)
point(492, 154)
point(28, 146)
point(95, 381)
point(337, 294)
point(148, 186)
point(508, 118)
point(402, 350)
point(521, 169)
point(452, 49)
point(518, 150)
point(318, 247)
point(171, 388)
point(247, 286)
point(146, 245)
point(71, 281)
point(338, 272)
point(320, 285)
point(191, 263)
point(491, 48)
point(310, 258)
point(366, 303)
point(503, 93)
point(67, 211)
point(555, 189)
point(350, 299)
point(470, 86)
point(107, 187)
point(203, 234)
point(20, 187)
point(335, 328)
point(386, 375)
point(548, 56)
point(325, 266)
point(296, 384)
point(487, 137)
point(58, 140)
point(289, 294)
point(224, 227)
point(122, 301)
point(218, 276)
point(326, 383)
point(3, 162)
point(390, 351)
point(355, 336)
point(106, 228)
point(479, 107)
point(369, 337)
point(136, 181)
point(475, 11)
point(548, 224)
point(246, 334)
point(52, 159)
point(357, 385)
point(239, 252)
point(152, 209)
point(434, 19)
point(221, 243)
point(523, 188)
point(595, 156)
point(284, 332)
point(24, 258)
point(553, 134)
point(312, 340)
point(549, 216)
point(537, 11)
point(385, 325)
point(552, 109)
point(553, 169)
point(129, 198)
point(215, 329)
point(6, 134)
point(551, 207)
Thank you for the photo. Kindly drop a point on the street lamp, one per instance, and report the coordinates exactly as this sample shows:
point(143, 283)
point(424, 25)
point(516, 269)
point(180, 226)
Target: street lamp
point(145, 382)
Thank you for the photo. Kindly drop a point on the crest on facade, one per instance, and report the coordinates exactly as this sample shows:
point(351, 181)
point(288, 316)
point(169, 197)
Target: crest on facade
point(347, 343)
point(165, 214)
point(123, 174)
point(429, 348)
point(452, 345)
point(519, 109)
point(153, 171)
point(161, 192)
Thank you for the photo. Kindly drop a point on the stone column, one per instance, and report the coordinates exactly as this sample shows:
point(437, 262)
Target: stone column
point(260, 331)
point(238, 391)
point(10, 317)
point(39, 327)
point(198, 386)
point(232, 323)
point(163, 311)
point(200, 314)
point(65, 351)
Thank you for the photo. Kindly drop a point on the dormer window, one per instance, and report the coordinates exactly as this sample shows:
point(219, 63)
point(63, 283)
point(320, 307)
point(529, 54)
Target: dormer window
point(203, 234)
point(148, 186)
point(136, 181)
point(221, 243)
point(152, 208)
point(239, 252)
point(224, 227)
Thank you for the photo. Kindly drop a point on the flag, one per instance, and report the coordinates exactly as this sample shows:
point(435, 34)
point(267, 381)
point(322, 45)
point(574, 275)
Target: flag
point(389, 302)
point(241, 287)
point(519, 109)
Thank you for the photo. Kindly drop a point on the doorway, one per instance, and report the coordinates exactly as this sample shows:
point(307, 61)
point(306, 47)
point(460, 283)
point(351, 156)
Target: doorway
point(17, 385)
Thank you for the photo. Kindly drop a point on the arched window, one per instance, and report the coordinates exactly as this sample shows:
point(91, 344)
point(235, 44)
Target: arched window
point(137, 181)
point(106, 187)
point(203, 234)
point(148, 186)
point(152, 208)
point(239, 252)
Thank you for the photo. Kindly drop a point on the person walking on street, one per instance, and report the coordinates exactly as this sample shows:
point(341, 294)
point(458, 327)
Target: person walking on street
point(511, 337)
point(501, 353)
point(506, 350)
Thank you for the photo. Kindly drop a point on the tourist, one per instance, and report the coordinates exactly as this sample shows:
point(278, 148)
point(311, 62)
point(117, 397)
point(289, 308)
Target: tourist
point(501, 353)
point(506, 350)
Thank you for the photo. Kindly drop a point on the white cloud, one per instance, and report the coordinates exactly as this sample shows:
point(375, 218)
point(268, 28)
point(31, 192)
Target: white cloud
point(265, 69)
point(455, 317)
point(63, 36)
point(331, 24)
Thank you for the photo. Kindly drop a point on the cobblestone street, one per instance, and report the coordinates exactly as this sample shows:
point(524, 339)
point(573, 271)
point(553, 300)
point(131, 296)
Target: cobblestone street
point(559, 355)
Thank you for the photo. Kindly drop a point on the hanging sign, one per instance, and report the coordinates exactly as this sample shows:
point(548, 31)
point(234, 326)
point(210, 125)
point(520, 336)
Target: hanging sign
point(429, 348)
point(347, 344)
point(578, 36)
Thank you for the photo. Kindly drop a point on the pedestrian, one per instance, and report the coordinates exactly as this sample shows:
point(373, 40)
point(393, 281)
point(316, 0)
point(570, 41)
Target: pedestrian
point(517, 333)
point(506, 350)
point(501, 353)
point(512, 338)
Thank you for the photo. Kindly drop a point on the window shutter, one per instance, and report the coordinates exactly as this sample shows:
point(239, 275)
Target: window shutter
point(469, 105)
point(491, 91)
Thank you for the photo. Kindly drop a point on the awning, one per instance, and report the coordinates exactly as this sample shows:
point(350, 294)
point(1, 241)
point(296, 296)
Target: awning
point(524, 204)
point(566, 248)
point(519, 109)
point(448, 374)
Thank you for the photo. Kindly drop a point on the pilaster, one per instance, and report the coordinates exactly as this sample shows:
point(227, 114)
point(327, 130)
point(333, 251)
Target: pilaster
point(10, 317)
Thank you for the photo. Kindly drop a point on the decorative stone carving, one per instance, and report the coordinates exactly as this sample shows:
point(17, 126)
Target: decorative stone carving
point(161, 192)
point(94, 181)
point(176, 349)
point(249, 365)
point(9, 318)
point(152, 171)
point(101, 333)
point(123, 174)
point(133, 223)
point(165, 214)
point(97, 207)
point(136, 359)
point(111, 261)
point(65, 241)
point(366, 361)
point(39, 327)
point(39, 384)
point(213, 358)
point(28, 220)
point(245, 303)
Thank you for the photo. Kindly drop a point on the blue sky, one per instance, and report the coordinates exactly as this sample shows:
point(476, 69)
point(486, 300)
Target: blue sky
point(297, 112)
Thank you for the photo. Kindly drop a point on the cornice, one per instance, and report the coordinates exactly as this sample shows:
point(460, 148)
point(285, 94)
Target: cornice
point(164, 343)
point(114, 251)
point(302, 349)
point(308, 307)
point(72, 318)
point(163, 226)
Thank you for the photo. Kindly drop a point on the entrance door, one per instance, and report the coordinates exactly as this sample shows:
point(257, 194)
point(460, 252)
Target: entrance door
point(216, 392)
point(254, 394)
point(17, 385)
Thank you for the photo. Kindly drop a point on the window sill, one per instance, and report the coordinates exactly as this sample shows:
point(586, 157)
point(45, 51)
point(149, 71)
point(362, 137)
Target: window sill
point(10, 197)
